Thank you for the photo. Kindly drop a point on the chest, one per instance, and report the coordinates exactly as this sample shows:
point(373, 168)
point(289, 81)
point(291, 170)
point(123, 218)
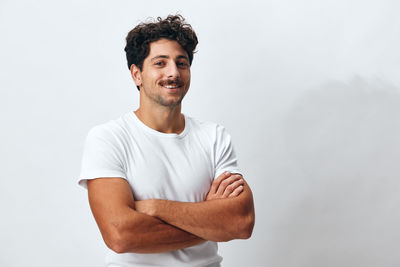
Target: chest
point(180, 170)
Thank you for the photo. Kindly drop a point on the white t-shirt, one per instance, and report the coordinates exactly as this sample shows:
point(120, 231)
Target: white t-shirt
point(157, 165)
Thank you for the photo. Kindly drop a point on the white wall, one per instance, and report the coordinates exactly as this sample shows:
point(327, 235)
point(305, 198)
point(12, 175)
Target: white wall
point(309, 91)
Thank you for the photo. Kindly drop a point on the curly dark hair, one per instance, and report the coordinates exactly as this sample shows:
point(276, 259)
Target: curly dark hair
point(173, 27)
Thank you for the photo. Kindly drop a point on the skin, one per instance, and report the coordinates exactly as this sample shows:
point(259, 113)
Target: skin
point(124, 229)
point(160, 107)
point(221, 219)
point(154, 225)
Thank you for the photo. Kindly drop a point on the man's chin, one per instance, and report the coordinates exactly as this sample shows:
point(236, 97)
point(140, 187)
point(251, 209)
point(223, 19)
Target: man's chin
point(171, 103)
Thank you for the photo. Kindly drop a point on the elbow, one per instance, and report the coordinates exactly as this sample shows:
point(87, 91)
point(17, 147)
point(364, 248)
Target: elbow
point(246, 228)
point(246, 218)
point(246, 234)
point(117, 242)
point(242, 229)
point(117, 246)
point(121, 245)
point(245, 224)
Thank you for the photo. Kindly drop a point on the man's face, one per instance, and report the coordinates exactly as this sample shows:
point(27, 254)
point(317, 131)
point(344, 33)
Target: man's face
point(165, 76)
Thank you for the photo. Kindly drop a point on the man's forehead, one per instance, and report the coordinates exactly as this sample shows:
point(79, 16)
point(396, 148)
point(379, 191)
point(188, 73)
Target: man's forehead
point(165, 48)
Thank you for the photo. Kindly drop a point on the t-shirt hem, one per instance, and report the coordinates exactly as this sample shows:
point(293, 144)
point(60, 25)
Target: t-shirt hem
point(84, 178)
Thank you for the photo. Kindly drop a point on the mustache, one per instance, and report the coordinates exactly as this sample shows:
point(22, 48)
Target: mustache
point(175, 81)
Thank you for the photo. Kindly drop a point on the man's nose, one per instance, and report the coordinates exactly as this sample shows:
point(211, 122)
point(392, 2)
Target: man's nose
point(173, 71)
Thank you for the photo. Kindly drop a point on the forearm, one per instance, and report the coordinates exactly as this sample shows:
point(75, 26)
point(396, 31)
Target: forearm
point(126, 230)
point(141, 233)
point(216, 220)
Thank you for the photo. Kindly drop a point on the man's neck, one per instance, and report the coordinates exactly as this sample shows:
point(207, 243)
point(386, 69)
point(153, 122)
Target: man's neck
point(164, 120)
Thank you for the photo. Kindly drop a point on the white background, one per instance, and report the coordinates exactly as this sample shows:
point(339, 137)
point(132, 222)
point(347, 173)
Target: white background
point(309, 91)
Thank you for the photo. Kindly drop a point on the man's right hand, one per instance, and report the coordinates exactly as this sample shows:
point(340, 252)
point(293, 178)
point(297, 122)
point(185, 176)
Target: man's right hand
point(226, 185)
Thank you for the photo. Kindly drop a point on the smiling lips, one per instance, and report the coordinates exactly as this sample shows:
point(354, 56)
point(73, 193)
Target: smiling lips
point(172, 84)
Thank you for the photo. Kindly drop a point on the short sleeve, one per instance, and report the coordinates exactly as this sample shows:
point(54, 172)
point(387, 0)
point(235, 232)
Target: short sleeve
point(102, 157)
point(225, 156)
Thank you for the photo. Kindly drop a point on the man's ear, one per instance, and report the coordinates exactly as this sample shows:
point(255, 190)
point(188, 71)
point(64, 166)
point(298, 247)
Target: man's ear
point(136, 75)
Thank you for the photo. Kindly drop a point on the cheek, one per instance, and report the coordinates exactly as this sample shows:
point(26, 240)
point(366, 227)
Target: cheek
point(186, 76)
point(153, 78)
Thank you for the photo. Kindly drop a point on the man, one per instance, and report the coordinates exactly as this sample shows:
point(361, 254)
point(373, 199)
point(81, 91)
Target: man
point(150, 173)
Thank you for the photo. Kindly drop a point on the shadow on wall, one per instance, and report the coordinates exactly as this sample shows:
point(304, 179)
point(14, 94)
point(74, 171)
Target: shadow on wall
point(339, 202)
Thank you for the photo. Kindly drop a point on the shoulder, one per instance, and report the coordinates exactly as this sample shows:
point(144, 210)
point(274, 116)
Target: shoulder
point(213, 130)
point(111, 130)
point(206, 126)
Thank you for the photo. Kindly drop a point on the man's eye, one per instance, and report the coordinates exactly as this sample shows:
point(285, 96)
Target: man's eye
point(182, 64)
point(160, 63)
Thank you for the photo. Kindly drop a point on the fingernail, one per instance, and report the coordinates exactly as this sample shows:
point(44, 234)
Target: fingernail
point(226, 173)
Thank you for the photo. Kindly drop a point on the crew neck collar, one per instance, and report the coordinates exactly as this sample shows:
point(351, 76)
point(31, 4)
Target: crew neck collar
point(161, 134)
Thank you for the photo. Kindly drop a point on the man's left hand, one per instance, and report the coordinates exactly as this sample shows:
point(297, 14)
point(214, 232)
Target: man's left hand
point(226, 185)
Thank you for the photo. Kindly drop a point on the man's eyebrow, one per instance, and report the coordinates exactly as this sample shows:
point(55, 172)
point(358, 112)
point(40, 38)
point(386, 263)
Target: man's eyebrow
point(160, 56)
point(165, 56)
point(182, 56)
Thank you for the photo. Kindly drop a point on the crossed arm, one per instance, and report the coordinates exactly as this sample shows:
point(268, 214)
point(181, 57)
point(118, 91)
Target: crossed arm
point(153, 226)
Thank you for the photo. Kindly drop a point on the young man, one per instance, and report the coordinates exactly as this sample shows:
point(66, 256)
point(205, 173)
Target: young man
point(164, 187)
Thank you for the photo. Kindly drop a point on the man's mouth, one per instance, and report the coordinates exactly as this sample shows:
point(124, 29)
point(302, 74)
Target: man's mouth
point(174, 84)
point(171, 86)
